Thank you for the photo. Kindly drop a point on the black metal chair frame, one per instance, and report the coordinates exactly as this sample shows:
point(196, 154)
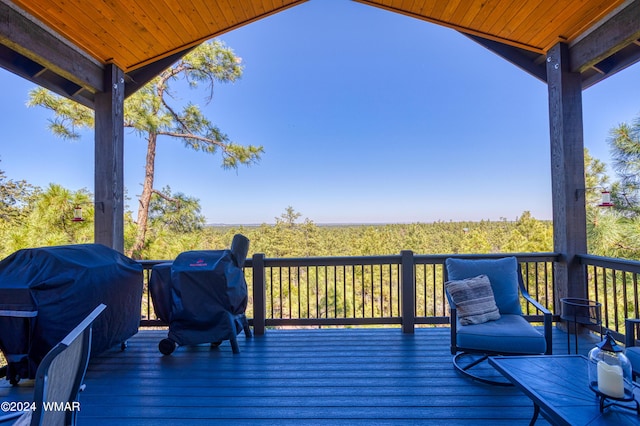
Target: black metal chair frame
point(630, 337)
point(480, 356)
point(59, 378)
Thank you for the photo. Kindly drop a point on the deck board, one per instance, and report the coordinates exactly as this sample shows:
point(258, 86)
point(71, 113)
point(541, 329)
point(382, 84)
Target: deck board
point(327, 376)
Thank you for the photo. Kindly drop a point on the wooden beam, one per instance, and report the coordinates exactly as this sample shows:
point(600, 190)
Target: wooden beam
point(567, 173)
point(523, 59)
point(138, 78)
point(31, 40)
point(613, 35)
point(109, 161)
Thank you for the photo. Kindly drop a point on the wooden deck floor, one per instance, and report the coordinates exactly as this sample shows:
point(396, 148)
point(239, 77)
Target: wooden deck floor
point(328, 376)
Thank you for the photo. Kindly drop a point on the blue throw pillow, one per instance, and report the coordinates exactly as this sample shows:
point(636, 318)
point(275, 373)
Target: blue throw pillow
point(502, 273)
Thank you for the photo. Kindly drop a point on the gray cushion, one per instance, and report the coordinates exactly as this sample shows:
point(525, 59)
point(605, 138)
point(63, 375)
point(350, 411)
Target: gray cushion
point(474, 300)
point(511, 334)
point(503, 274)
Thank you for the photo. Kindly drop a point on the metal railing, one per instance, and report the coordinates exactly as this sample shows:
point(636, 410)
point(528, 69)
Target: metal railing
point(614, 284)
point(400, 290)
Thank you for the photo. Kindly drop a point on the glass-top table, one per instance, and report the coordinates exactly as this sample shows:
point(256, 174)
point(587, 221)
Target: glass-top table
point(558, 385)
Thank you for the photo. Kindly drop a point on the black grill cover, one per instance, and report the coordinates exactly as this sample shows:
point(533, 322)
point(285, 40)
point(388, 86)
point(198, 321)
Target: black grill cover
point(64, 284)
point(201, 294)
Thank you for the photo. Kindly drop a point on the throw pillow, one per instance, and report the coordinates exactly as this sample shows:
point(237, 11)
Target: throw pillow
point(503, 274)
point(474, 300)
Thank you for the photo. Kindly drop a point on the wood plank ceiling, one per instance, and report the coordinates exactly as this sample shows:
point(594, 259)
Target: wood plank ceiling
point(134, 34)
point(534, 25)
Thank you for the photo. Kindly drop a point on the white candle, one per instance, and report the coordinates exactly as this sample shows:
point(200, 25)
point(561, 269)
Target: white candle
point(610, 380)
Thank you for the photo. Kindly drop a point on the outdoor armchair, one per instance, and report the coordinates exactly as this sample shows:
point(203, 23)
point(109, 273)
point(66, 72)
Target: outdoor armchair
point(59, 379)
point(631, 350)
point(484, 297)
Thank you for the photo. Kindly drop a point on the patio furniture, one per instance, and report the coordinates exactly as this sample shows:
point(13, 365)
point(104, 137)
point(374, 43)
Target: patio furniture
point(203, 296)
point(486, 315)
point(580, 311)
point(46, 291)
point(558, 385)
point(59, 380)
point(631, 350)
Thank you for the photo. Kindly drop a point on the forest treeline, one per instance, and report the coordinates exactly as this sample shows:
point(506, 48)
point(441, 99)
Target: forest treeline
point(32, 217)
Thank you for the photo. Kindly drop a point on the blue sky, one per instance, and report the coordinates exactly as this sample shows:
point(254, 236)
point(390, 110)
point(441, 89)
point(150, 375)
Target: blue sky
point(365, 116)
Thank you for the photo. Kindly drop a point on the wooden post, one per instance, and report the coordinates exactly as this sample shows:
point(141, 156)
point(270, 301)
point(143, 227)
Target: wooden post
point(567, 173)
point(259, 295)
point(407, 281)
point(109, 159)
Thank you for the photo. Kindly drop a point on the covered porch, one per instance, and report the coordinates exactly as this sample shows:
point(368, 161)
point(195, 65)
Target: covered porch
point(570, 46)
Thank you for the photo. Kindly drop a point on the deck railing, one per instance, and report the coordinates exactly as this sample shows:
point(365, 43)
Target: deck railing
point(613, 283)
point(399, 290)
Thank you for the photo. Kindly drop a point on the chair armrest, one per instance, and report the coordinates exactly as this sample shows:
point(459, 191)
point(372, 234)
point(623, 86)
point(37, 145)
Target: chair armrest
point(534, 302)
point(548, 318)
point(630, 325)
point(453, 322)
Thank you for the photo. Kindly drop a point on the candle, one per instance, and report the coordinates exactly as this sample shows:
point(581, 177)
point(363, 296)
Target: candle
point(610, 380)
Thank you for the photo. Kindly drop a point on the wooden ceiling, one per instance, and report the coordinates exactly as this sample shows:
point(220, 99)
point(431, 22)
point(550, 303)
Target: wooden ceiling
point(534, 25)
point(143, 36)
point(134, 33)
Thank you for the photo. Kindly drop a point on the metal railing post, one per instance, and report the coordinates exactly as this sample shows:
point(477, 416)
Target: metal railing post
point(259, 294)
point(408, 291)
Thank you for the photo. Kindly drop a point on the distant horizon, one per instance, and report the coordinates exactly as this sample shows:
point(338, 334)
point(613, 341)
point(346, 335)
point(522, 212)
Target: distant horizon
point(230, 225)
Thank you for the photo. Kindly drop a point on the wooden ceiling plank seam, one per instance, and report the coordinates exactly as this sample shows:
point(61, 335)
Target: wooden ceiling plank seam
point(120, 39)
point(222, 14)
point(438, 10)
point(259, 7)
point(193, 25)
point(484, 14)
point(211, 19)
point(562, 23)
point(158, 33)
point(248, 8)
point(466, 12)
point(421, 7)
point(167, 33)
point(237, 10)
point(142, 30)
point(538, 25)
point(224, 11)
point(526, 17)
point(450, 9)
point(221, 31)
point(509, 22)
point(471, 31)
point(199, 20)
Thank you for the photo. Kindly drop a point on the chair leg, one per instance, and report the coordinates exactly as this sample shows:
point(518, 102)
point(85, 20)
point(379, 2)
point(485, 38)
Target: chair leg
point(464, 366)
